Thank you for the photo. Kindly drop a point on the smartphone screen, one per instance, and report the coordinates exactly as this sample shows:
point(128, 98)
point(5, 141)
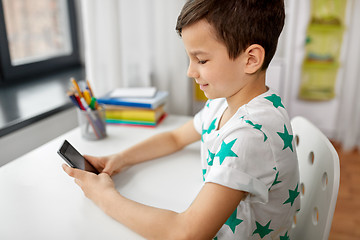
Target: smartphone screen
point(74, 158)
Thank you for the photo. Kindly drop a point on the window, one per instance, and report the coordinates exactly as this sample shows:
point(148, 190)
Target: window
point(37, 37)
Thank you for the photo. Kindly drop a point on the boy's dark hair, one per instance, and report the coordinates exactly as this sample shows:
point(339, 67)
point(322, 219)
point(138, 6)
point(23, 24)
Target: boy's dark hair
point(239, 23)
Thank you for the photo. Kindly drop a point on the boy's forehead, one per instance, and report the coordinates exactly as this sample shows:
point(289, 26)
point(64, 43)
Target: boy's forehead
point(201, 26)
point(198, 35)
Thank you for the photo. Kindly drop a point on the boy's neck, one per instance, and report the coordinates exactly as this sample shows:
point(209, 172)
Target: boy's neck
point(255, 87)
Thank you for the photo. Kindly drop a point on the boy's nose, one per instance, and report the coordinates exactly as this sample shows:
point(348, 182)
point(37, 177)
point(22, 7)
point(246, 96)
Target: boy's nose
point(191, 72)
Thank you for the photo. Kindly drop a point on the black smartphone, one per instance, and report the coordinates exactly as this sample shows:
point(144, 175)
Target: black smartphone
point(74, 158)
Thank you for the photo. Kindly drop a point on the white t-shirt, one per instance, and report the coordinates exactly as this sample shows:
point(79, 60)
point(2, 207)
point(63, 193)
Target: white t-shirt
point(253, 152)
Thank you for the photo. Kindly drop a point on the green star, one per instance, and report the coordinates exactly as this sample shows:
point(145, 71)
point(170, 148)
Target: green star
point(204, 172)
point(292, 195)
point(275, 180)
point(210, 159)
point(287, 138)
point(225, 151)
point(202, 134)
point(208, 103)
point(232, 221)
point(212, 126)
point(285, 237)
point(276, 100)
point(262, 230)
point(208, 131)
point(258, 127)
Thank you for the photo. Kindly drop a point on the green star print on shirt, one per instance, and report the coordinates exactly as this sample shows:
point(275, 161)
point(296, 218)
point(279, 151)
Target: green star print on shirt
point(209, 130)
point(292, 195)
point(285, 237)
point(232, 221)
point(275, 180)
point(287, 138)
point(212, 126)
point(263, 230)
point(210, 159)
point(276, 100)
point(225, 151)
point(258, 127)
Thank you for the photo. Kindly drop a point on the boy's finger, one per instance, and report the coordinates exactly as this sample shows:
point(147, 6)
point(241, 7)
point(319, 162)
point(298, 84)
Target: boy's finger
point(108, 170)
point(90, 158)
point(73, 172)
point(94, 161)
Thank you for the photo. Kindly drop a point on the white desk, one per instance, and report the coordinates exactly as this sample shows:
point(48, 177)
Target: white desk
point(39, 201)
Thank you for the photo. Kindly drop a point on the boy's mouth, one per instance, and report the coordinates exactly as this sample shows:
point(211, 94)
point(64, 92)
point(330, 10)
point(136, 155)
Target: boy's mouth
point(203, 86)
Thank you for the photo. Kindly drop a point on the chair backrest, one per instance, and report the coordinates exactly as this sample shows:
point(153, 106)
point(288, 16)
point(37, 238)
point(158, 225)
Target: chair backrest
point(319, 181)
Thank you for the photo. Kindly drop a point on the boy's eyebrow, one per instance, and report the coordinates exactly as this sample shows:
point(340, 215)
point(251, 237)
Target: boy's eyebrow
point(197, 52)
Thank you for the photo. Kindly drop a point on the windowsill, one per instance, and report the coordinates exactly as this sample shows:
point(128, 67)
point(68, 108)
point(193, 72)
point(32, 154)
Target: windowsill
point(26, 103)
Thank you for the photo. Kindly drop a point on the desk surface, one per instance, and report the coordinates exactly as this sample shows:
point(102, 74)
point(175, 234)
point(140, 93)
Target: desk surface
point(39, 201)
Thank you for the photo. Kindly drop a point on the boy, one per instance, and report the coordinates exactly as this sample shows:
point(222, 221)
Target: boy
point(248, 158)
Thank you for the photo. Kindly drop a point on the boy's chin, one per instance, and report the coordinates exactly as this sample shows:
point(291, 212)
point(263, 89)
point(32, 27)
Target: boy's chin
point(211, 97)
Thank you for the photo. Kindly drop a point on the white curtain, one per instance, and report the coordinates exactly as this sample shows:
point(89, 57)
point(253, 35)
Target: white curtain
point(348, 122)
point(133, 43)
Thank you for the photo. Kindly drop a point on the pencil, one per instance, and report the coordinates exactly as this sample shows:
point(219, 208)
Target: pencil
point(73, 81)
point(79, 101)
point(87, 96)
point(73, 99)
point(90, 89)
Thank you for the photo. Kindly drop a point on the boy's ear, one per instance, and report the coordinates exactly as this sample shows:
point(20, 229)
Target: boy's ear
point(254, 55)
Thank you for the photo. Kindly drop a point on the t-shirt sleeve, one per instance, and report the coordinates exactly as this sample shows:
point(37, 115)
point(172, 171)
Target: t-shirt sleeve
point(198, 120)
point(244, 161)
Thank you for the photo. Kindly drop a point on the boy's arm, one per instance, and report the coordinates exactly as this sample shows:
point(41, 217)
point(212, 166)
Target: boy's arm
point(156, 146)
point(161, 144)
point(202, 220)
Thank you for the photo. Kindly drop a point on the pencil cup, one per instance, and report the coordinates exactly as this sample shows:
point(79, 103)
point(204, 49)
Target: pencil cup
point(92, 123)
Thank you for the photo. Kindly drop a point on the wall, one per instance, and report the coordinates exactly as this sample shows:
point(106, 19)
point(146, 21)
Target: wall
point(322, 113)
point(26, 139)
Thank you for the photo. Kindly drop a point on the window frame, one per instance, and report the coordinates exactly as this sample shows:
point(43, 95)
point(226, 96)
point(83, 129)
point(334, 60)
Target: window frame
point(10, 74)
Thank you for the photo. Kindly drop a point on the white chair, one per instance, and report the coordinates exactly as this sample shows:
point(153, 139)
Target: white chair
point(319, 181)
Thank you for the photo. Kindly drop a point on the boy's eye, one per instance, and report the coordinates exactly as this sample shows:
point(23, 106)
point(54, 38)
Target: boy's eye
point(202, 61)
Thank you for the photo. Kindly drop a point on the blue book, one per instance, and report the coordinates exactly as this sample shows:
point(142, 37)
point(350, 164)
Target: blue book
point(141, 102)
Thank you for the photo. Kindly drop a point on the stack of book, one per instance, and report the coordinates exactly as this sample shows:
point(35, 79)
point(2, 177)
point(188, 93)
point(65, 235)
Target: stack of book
point(135, 106)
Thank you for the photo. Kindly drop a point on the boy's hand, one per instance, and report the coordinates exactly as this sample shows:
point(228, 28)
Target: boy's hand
point(111, 165)
point(95, 187)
